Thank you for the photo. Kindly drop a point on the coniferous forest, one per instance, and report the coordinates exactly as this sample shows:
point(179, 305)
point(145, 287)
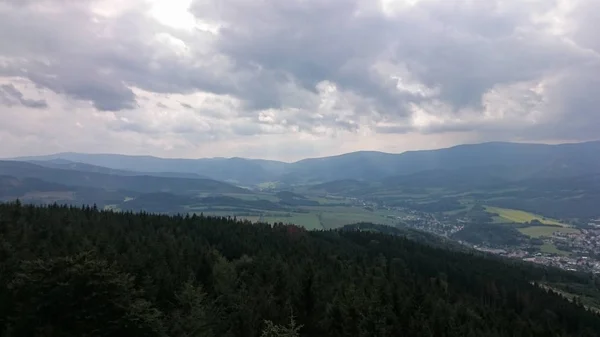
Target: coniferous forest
point(67, 271)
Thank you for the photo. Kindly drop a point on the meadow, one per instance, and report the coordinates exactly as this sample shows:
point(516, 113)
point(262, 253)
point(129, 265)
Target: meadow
point(307, 220)
point(516, 216)
point(332, 212)
point(540, 231)
point(549, 248)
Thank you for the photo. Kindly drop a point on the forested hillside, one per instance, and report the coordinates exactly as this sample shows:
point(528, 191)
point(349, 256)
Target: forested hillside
point(139, 183)
point(83, 272)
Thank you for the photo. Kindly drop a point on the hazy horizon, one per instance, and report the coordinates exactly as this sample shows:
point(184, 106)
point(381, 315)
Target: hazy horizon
point(41, 155)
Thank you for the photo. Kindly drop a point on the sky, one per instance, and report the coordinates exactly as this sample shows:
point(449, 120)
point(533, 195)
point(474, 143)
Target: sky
point(293, 79)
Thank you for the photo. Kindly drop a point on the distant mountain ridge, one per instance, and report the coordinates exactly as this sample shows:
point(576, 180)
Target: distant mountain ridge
point(519, 160)
point(236, 170)
point(139, 183)
point(65, 164)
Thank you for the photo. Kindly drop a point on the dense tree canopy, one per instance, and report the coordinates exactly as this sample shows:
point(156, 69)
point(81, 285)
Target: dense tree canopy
point(68, 271)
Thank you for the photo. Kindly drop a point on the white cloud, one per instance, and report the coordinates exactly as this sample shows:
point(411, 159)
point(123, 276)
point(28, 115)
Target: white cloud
point(288, 79)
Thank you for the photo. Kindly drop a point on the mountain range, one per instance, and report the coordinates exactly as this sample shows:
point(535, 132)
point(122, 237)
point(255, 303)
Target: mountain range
point(512, 161)
point(562, 181)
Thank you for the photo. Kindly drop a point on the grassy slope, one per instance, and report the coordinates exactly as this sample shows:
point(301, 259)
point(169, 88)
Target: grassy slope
point(517, 216)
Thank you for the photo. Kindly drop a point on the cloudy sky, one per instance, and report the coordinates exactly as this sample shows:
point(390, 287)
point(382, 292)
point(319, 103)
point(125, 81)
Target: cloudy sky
point(296, 78)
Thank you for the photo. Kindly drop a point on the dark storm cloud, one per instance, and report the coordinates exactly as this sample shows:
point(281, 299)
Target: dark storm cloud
point(462, 48)
point(577, 94)
point(312, 41)
point(57, 50)
point(465, 48)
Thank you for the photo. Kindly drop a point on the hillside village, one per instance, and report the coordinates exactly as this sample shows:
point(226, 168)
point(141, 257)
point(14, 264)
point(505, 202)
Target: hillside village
point(577, 251)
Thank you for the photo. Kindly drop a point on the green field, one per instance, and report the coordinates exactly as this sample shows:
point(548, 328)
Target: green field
point(539, 231)
point(331, 217)
point(332, 212)
point(335, 220)
point(321, 217)
point(517, 216)
point(306, 220)
point(549, 248)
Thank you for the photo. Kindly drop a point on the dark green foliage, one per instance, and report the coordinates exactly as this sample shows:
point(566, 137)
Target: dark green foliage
point(192, 313)
point(67, 271)
point(78, 296)
point(586, 294)
point(272, 330)
point(412, 234)
point(491, 234)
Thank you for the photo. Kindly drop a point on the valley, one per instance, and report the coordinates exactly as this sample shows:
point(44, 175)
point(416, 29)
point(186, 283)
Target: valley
point(303, 168)
point(543, 209)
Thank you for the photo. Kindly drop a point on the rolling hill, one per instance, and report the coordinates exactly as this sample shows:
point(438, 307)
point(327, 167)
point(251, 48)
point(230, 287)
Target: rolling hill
point(36, 191)
point(520, 161)
point(65, 270)
point(64, 164)
point(142, 184)
point(235, 170)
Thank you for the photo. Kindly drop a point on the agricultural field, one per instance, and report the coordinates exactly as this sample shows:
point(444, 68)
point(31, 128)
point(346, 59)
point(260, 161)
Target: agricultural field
point(310, 211)
point(549, 248)
point(335, 220)
point(314, 217)
point(327, 217)
point(512, 215)
point(540, 231)
point(306, 220)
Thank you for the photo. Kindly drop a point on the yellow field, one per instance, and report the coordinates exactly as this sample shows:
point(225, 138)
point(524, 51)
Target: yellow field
point(514, 215)
point(539, 231)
